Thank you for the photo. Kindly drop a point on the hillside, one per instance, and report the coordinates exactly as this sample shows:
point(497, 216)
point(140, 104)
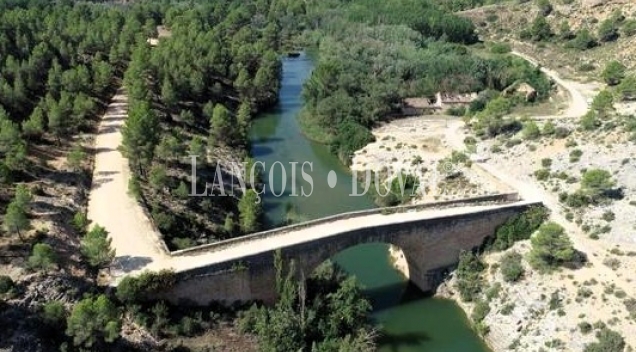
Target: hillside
point(506, 22)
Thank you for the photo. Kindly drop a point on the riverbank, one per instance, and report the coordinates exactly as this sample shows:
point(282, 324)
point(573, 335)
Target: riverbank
point(421, 146)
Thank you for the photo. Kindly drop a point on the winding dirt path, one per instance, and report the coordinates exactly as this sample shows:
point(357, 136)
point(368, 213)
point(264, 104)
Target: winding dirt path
point(578, 104)
point(136, 242)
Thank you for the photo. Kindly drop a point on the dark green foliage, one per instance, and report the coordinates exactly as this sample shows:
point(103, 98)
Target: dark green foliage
point(327, 312)
point(54, 314)
point(250, 211)
point(95, 247)
point(590, 121)
point(469, 276)
point(481, 310)
point(629, 28)
point(93, 322)
point(43, 257)
point(511, 267)
point(627, 88)
point(6, 284)
point(140, 288)
point(140, 136)
point(608, 341)
point(518, 228)
point(608, 30)
point(613, 73)
point(597, 183)
point(500, 48)
point(551, 247)
point(583, 41)
point(540, 29)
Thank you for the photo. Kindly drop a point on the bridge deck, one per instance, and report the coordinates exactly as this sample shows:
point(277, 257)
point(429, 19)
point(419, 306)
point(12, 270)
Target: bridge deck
point(260, 245)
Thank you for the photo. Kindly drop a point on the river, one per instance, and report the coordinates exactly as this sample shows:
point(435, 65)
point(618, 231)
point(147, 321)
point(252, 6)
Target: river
point(409, 320)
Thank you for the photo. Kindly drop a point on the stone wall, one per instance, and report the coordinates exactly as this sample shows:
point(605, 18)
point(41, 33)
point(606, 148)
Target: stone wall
point(431, 248)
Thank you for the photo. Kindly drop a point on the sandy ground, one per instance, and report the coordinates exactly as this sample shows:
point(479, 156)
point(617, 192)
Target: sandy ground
point(136, 242)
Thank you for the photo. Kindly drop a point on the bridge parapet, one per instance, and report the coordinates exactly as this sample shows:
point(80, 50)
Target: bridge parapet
point(225, 244)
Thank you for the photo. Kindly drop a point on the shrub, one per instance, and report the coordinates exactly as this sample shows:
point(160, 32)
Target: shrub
point(575, 155)
point(613, 73)
point(629, 28)
point(583, 41)
point(511, 267)
point(549, 129)
point(590, 121)
point(469, 281)
point(585, 327)
point(627, 88)
point(480, 311)
point(561, 132)
point(42, 257)
point(54, 314)
point(94, 321)
point(609, 216)
point(500, 48)
point(517, 228)
point(531, 131)
point(546, 163)
point(542, 174)
point(608, 340)
point(6, 284)
point(608, 30)
point(137, 289)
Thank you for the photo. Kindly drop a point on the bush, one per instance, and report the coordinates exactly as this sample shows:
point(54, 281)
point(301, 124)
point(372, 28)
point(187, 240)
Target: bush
point(54, 314)
point(94, 321)
point(608, 341)
point(546, 163)
point(608, 30)
point(141, 288)
point(511, 267)
point(500, 48)
point(583, 41)
point(627, 88)
point(42, 257)
point(575, 155)
point(542, 174)
point(629, 28)
point(517, 228)
point(561, 132)
point(590, 121)
point(530, 131)
point(613, 73)
point(6, 284)
point(469, 281)
point(481, 310)
point(585, 327)
point(549, 129)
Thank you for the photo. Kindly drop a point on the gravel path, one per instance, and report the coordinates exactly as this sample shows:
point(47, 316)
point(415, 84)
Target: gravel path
point(136, 242)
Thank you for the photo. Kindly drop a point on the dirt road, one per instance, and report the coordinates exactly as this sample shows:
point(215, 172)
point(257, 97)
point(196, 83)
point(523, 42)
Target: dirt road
point(136, 242)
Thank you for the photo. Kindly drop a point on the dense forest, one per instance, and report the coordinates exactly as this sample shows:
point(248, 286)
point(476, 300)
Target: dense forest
point(372, 54)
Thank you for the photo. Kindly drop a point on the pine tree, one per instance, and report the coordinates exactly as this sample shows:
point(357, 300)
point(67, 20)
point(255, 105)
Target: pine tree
point(249, 211)
point(96, 247)
point(140, 136)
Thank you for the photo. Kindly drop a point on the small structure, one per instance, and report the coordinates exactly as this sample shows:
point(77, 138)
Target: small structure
point(446, 100)
point(419, 106)
point(522, 88)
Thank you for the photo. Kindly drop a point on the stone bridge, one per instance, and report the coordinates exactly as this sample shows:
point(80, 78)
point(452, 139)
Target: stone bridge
point(431, 237)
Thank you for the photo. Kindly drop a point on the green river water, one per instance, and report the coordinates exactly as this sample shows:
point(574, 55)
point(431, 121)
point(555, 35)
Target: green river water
point(410, 321)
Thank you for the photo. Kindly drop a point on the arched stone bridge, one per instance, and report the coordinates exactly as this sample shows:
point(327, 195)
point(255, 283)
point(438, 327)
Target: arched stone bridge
point(431, 237)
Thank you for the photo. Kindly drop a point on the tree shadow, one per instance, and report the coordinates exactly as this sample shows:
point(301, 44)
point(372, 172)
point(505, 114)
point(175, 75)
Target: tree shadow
point(128, 263)
point(100, 181)
point(102, 150)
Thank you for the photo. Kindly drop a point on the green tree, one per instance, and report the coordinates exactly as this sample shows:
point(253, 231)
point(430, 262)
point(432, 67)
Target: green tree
point(249, 211)
point(140, 136)
point(16, 220)
point(96, 247)
point(549, 129)
point(596, 182)
point(603, 102)
point(584, 40)
point(540, 29)
point(243, 120)
point(158, 177)
point(168, 94)
point(551, 247)
point(93, 321)
point(75, 158)
point(229, 226)
point(613, 73)
point(511, 267)
point(43, 257)
point(54, 314)
point(469, 276)
point(34, 126)
point(221, 123)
